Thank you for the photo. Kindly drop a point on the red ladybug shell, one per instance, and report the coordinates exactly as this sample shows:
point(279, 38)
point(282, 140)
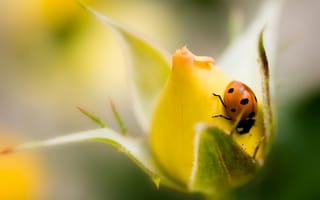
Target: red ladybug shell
point(239, 98)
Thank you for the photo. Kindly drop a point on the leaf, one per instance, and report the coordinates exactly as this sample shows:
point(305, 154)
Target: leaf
point(220, 163)
point(148, 67)
point(240, 59)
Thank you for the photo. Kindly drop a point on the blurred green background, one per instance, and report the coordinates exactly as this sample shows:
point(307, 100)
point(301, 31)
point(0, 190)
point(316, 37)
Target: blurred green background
point(54, 57)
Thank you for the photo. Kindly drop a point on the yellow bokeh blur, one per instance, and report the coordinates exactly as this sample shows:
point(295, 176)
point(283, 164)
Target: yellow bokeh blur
point(55, 56)
point(21, 174)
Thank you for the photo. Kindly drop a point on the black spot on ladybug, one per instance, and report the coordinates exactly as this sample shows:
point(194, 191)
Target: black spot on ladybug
point(255, 98)
point(230, 90)
point(252, 114)
point(233, 110)
point(244, 101)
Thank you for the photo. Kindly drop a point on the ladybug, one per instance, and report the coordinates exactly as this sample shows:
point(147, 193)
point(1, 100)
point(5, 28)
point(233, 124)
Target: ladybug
point(240, 103)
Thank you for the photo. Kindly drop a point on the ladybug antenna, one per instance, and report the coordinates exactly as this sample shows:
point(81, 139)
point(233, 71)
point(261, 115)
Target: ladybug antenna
point(217, 95)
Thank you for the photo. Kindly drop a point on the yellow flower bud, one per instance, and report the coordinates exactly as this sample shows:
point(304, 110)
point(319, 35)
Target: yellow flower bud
point(185, 101)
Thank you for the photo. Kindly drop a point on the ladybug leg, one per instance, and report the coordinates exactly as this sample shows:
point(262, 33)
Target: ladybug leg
point(216, 95)
point(224, 105)
point(223, 116)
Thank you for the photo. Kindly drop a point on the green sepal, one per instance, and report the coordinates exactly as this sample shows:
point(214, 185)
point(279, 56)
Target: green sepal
point(147, 67)
point(269, 122)
point(136, 148)
point(220, 163)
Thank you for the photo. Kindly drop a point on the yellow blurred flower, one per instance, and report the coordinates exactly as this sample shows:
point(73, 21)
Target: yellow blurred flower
point(21, 173)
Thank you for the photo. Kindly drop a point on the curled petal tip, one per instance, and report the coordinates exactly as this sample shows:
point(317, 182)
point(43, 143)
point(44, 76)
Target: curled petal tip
point(184, 57)
point(203, 61)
